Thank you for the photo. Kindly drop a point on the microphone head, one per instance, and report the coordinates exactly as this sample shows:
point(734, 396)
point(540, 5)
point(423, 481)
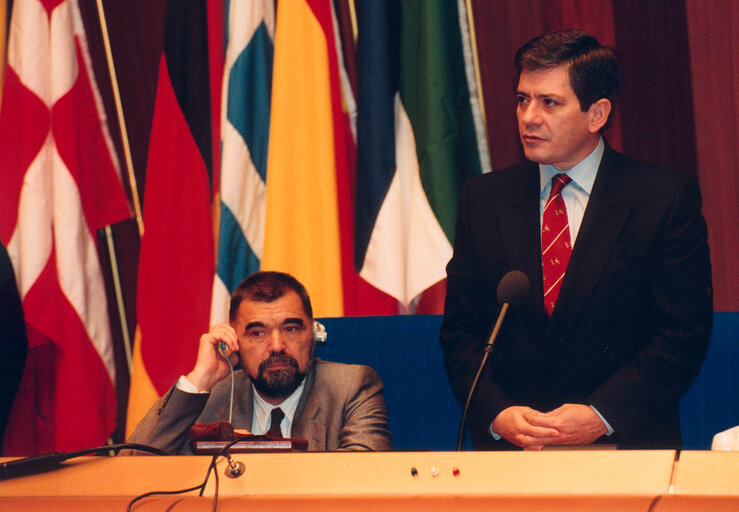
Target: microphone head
point(513, 288)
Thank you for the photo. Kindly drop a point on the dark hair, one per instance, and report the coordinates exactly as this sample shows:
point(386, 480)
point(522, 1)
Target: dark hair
point(593, 67)
point(268, 287)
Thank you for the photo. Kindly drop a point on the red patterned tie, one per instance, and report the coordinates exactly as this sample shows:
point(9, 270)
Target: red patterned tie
point(555, 242)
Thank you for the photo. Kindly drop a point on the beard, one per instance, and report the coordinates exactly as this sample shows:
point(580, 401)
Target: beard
point(278, 383)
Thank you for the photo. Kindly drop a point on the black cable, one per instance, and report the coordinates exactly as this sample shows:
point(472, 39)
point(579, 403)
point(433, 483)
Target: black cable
point(155, 493)
point(50, 461)
point(211, 468)
point(118, 447)
point(218, 483)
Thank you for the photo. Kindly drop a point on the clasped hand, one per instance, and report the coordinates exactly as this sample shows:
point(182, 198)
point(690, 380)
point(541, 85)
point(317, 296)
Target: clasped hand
point(532, 429)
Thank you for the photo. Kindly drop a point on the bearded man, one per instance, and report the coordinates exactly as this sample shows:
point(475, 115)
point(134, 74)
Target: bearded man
point(270, 334)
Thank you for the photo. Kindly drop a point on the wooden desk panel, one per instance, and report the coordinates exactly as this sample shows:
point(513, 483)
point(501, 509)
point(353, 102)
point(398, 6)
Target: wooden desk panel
point(707, 472)
point(557, 480)
point(704, 481)
point(368, 503)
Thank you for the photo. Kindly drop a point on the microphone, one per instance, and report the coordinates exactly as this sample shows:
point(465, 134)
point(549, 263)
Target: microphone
point(513, 290)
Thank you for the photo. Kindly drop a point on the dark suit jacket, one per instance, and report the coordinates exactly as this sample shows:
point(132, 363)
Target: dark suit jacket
point(13, 341)
point(631, 325)
point(342, 408)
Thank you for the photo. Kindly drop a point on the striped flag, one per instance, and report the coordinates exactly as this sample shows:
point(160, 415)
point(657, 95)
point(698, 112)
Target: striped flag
point(176, 261)
point(61, 184)
point(419, 137)
point(302, 235)
point(302, 218)
point(245, 114)
point(289, 98)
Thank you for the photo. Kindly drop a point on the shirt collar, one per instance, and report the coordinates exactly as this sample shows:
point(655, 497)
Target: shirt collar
point(582, 174)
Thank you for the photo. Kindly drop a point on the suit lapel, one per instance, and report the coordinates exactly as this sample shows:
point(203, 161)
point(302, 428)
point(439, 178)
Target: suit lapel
point(520, 229)
point(604, 217)
point(306, 426)
point(243, 408)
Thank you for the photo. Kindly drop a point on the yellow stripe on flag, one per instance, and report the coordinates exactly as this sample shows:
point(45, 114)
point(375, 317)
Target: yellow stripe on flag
point(302, 221)
point(141, 394)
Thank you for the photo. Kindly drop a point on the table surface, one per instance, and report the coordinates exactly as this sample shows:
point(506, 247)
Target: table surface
point(411, 481)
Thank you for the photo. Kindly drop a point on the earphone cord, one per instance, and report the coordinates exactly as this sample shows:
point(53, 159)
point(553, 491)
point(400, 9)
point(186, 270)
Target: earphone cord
point(222, 352)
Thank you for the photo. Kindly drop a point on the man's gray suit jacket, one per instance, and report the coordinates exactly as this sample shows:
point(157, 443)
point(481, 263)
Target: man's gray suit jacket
point(342, 408)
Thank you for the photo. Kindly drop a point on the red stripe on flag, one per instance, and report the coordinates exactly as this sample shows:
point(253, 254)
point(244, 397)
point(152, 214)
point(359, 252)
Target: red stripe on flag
point(176, 260)
point(85, 153)
point(66, 399)
point(24, 125)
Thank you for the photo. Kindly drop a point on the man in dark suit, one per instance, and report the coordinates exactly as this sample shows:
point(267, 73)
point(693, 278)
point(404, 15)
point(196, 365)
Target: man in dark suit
point(282, 389)
point(617, 322)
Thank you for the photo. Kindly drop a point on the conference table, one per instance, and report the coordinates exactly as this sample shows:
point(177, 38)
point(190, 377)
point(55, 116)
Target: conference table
point(556, 480)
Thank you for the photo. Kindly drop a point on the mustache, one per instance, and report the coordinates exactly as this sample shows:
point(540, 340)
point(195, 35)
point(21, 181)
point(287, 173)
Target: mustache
point(278, 358)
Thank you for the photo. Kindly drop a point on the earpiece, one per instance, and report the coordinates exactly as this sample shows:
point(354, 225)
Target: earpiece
point(319, 332)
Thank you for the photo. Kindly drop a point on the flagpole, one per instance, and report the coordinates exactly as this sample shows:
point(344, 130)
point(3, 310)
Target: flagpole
point(121, 119)
point(132, 184)
point(353, 15)
point(119, 297)
point(476, 62)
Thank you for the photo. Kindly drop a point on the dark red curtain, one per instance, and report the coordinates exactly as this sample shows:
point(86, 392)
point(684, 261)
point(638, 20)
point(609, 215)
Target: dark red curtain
point(714, 47)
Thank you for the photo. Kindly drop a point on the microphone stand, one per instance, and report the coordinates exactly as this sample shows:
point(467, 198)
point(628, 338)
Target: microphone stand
point(488, 349)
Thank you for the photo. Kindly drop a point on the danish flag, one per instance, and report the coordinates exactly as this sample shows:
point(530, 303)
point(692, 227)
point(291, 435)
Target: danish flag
point(61, 183)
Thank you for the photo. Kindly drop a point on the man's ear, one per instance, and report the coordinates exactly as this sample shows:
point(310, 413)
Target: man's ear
point(599, 112)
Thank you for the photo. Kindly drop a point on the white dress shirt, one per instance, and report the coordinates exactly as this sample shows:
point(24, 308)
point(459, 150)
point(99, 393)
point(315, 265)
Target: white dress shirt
point(262, 408)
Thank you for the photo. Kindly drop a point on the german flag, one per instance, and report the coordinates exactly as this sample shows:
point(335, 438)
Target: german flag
point(176, 261)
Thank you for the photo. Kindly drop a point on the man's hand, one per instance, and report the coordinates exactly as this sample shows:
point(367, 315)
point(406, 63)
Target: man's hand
point(576, 424)
point(210, 368)
point(517, 425)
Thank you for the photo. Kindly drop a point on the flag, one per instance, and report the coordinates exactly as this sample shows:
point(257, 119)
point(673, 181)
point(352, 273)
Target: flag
point(287, 142)
point(419, 137)
point(176, 260)
point(302, 217)
point(245, 114)
point(61, 183)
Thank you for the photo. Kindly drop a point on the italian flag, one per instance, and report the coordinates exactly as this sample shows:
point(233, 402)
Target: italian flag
point(420, 136)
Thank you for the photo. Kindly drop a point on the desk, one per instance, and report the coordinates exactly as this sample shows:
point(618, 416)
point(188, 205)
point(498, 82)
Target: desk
point(443, 481)
point(704, 481)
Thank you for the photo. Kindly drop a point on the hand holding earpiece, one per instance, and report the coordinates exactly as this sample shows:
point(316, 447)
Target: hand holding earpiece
point(211, 367)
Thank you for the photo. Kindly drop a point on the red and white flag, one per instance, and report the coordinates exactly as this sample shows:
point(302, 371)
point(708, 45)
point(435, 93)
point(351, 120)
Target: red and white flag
point(60, 184)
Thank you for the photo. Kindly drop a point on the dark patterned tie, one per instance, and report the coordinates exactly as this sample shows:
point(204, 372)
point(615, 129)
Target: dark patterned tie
point(274, 425)
point(555, 242)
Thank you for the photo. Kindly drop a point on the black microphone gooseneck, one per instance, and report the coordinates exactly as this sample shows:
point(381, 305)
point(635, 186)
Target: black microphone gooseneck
point(513, 290)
